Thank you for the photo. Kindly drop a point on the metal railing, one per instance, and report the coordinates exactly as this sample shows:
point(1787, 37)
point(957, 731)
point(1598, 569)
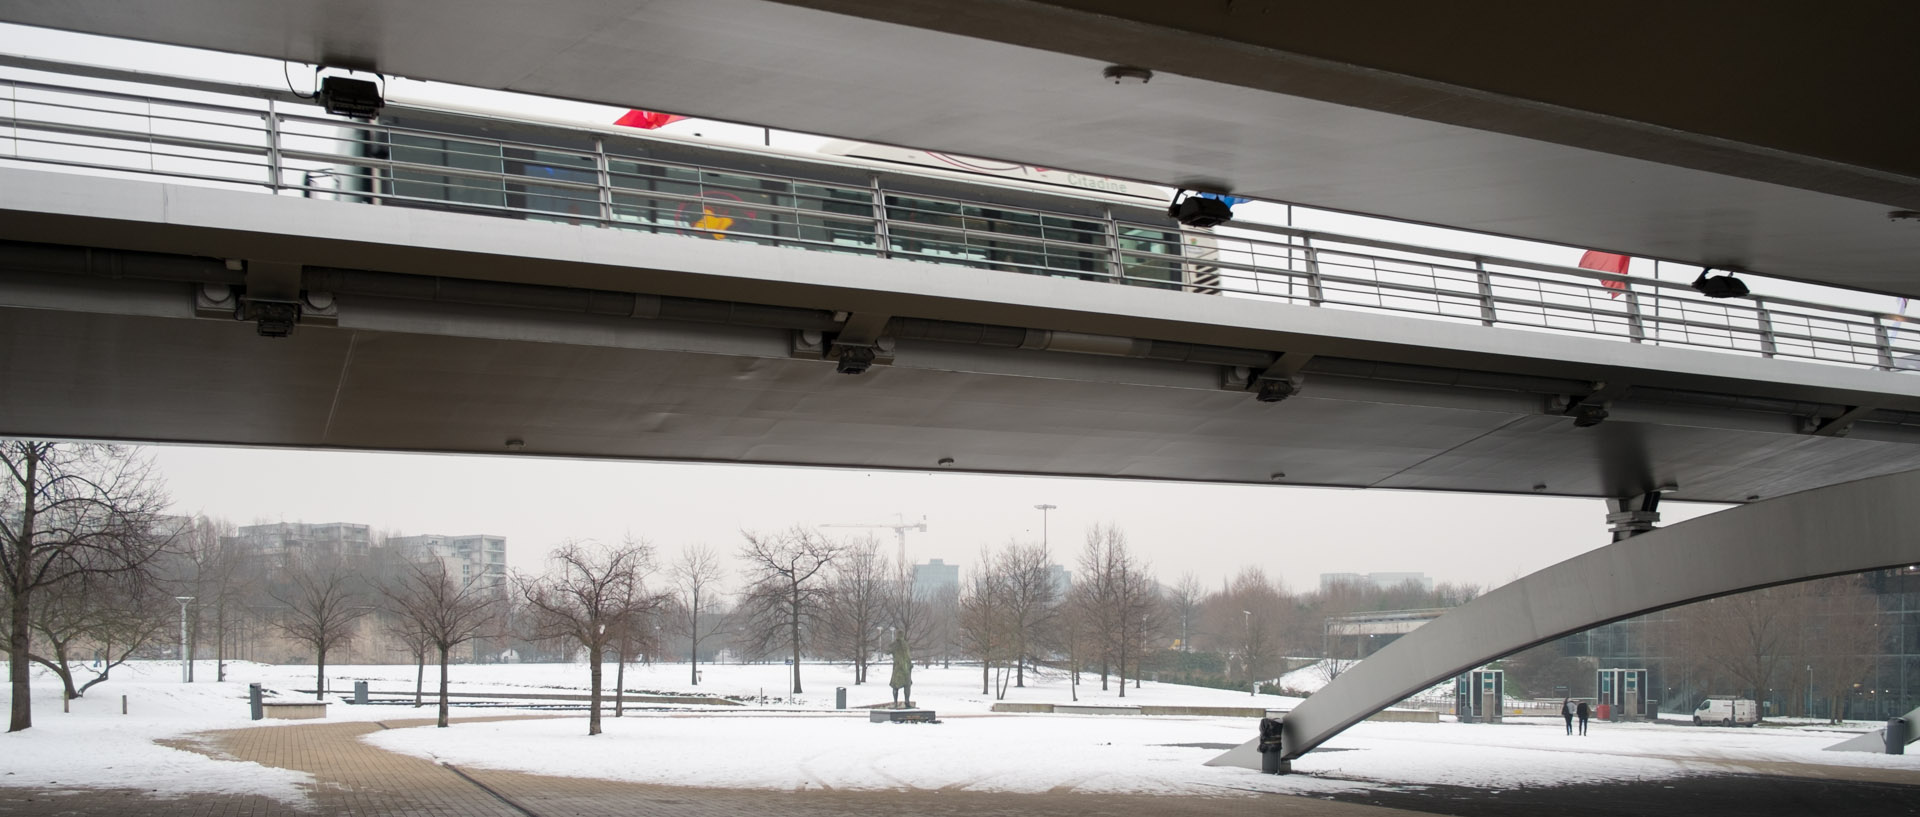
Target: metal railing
point(247, 138)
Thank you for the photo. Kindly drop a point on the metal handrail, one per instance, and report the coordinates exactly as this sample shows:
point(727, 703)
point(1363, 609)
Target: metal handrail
point(260, 145)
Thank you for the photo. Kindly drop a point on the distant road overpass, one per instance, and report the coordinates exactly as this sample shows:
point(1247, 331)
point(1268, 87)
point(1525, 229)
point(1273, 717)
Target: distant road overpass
point(491, 329)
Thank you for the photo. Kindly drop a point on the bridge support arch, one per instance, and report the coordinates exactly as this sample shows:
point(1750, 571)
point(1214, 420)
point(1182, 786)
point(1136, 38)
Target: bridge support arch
point(1858, 526)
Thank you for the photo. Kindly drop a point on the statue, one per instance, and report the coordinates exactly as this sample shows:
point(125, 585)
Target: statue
point(902, 672)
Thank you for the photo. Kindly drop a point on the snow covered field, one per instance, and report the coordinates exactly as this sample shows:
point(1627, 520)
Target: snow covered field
point(803, 742)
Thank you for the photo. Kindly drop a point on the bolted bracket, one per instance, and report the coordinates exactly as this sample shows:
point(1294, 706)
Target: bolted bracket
point(272, 317)
point(1631, 516)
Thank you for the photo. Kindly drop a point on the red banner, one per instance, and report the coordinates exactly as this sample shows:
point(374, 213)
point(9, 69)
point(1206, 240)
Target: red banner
point(647, 120)
point(1607, 262)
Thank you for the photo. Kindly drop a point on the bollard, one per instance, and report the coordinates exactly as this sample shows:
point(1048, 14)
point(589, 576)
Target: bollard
point(839, 697)
point(1897, 736)
point(359, 692)
point(1270, 748)
point(253, 698)
point(123, 704)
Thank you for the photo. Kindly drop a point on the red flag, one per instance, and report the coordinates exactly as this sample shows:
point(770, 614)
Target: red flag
point(1607, 262)
point(647, 120)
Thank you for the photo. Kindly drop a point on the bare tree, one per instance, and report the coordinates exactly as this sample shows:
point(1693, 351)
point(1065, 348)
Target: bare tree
point(696, 579)
point(443, 611)
point(983, 623)
point(910, 609)
point(114, 614)
point(1842, 637)
point(786, 574)
point(943, 624)
point(586, 597)
point(322, 600)
point(1029, 600)
point(859, 588)
point(1123, 603)
point(68, 511)
point(1251, 616)
point(1094, 600)
point(207, 566)
point(1183, 604)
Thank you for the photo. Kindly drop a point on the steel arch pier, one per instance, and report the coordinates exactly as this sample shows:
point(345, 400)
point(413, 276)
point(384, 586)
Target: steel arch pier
point(1849, 528)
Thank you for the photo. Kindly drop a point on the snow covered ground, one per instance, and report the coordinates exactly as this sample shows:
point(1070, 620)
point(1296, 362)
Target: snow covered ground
point(801, 742)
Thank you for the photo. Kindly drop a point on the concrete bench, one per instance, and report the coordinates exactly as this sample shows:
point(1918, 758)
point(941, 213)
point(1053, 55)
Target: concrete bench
point(294, 710)
point(902, 716)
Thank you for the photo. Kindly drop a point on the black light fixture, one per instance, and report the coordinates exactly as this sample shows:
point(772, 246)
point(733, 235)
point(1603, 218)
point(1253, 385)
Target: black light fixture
point(1725, 286)
point(854, 359)
point(1199, 211)
point(345, 96)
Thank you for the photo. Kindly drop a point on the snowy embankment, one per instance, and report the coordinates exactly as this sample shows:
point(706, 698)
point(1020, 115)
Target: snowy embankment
point(793, 742)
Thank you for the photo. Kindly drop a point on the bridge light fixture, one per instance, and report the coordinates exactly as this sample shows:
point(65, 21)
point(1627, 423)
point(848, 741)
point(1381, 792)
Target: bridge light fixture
point(1725, 286)
point(1199, 211)
point(1127, 74)
point(854, 359)
point(345, 96)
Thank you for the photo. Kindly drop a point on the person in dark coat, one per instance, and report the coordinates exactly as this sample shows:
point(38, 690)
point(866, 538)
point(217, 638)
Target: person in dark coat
point(1566, 712)
point(1583, 712)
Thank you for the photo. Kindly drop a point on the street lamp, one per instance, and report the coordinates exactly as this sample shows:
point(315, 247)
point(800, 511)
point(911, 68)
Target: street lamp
point(183, 636)
point(1043, 521)
point(1809, 690)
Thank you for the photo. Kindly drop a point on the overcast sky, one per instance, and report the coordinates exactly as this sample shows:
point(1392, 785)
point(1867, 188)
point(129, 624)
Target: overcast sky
point(1293, 533)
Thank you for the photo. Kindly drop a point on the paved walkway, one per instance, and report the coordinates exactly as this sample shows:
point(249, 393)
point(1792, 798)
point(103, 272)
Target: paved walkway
point(354, 778)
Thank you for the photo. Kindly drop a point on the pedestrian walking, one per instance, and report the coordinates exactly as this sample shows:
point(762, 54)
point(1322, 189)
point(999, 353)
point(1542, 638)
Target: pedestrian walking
point(1566, 712)
point(1583, 712)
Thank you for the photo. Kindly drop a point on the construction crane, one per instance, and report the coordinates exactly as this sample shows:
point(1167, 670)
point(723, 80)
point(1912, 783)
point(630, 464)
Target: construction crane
point(900, 529)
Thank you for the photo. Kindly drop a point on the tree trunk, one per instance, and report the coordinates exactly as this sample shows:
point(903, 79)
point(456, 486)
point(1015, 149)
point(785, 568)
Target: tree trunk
point(986, 679)
point(320, 676)
point(19, 638)
point(794, 623)
point(193, 637)
point(220, 650)
point(693, 655)
point(593, 707)
point(443, 685)
point(419, 673)
point(620, 682)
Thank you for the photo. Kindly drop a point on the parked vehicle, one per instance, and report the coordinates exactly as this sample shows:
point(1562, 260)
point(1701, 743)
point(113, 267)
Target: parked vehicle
point(1726, 710)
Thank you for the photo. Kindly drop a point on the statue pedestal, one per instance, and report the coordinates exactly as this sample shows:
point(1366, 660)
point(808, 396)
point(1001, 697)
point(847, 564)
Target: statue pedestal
point(902, 716)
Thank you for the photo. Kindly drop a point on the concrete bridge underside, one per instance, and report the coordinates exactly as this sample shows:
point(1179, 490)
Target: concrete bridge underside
point(454, 333)
point(1759, 136)
point(1859, 526)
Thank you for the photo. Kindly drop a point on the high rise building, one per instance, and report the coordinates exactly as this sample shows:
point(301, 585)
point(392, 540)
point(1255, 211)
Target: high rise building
point(472, 558)
point(936, 576)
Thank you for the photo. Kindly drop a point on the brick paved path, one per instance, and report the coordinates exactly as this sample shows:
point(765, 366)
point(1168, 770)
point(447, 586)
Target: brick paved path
point(353, 778)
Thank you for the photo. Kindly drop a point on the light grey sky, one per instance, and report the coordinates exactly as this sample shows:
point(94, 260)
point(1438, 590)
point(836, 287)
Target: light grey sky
point(1293, 533)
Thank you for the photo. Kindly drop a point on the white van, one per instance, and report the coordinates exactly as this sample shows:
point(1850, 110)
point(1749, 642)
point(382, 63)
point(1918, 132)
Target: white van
point(1723, 710)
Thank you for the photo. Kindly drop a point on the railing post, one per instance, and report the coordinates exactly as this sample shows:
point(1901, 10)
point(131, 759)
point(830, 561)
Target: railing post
point(1768, 347)
point(1883, 343)
point(1636, 324)
point(1115, 269)
point(883, 240)
point(603, 177)
point(1487, 314)
point(273, 147)
point(1316, 295)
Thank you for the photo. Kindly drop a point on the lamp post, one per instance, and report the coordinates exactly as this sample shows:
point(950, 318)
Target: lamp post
point(1043, 521)
point(184, 659)
point(1809, 690)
